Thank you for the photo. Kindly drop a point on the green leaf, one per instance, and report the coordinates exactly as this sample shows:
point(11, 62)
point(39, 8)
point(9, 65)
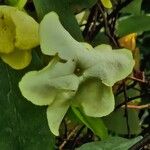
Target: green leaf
point(52, 80)
point(110, 66)
point(112, 143)
point(96, 98)
point(133, 8)
point(95, 124)
point(11, 2)
point(82, 4)
point(63, 10)
point(116, 122)
point(131, 24)
point(16, 3)
point(22, 125)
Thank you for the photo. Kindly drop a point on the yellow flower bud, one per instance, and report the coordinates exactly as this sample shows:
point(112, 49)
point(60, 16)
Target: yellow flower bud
point(128, 41)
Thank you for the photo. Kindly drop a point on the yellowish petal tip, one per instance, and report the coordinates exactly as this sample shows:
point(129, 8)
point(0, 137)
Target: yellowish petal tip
point(107, 3)
point(18, 59)
point(128, 41)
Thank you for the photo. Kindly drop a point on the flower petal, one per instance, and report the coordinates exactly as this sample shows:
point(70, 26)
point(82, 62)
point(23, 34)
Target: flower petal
point(55, 39)
point(56, 112)
point(42, 87)
point(96, 98)
point(108, 65)
point(26, 30)
point(18, 59)
point(128, 41)
point(7, 32)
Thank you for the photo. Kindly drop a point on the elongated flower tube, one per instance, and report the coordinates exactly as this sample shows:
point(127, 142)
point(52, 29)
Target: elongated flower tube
point(18, 35)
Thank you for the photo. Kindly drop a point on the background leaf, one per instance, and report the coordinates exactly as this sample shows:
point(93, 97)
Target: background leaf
point(116, 122)
point(22, 124)
point(133, 8)
point(133, 24)
point(113, 143)
point(63, 10)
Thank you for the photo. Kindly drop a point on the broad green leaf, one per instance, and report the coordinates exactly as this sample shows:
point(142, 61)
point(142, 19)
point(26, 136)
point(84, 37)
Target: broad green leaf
point(134, 7)
point(21, 3)
point(63, 10)
point(52, 80)
point(110, 66)
point(22, 125)
point(57, 110)
point(116, 122)
point(83, 3)
point(95, 98)
point(132, 24)
point(11, 2)
point(95, 124)
point(112, 143)
point(78, 4)
point(16, 3)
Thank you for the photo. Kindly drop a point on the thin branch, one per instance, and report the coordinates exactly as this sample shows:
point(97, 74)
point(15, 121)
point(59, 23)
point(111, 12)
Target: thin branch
point(112, 15)
point(72, 133)
point(146, 106)
point(106, 24)
point(126, 108)
point(131, 99)
point(138, 80)
point(88, 25)
point(76, 137)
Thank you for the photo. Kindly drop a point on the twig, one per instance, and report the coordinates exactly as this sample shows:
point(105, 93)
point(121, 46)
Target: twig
point(76, 137)
point(88, 25)
point(126, 108)
point(131, 99)
point(113, 14)
point(146, 106)
point(72, 133)
point(138, 80)
point(120, 90)
point(105, 18)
